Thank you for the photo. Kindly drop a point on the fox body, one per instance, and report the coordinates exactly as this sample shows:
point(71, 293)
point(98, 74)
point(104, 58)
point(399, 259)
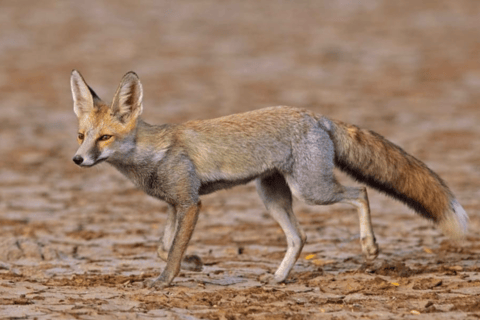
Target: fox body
point(287, 151)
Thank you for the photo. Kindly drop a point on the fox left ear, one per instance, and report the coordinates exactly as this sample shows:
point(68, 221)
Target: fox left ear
point(127, 102)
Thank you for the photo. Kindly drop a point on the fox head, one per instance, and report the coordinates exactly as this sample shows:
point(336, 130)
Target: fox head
point(105, 131)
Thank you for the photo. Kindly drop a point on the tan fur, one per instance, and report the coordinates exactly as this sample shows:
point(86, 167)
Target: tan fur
point(234, 140)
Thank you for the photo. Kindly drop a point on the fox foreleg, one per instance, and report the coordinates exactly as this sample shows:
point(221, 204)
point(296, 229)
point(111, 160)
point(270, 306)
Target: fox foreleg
point(189, 262)
point(186, 219)
point(168, 233)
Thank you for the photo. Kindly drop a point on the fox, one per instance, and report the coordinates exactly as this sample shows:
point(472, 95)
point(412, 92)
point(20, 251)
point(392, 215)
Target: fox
point(289, 152)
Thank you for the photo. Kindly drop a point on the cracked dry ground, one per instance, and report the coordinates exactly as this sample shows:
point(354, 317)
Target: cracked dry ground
point(78, 243)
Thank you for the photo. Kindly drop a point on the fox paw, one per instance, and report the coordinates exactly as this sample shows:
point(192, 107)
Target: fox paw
point(270, 279)
point(370, 249)
point(156, 284)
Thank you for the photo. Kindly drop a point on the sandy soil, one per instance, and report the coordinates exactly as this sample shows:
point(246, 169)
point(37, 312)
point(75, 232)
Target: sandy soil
point(78, 243)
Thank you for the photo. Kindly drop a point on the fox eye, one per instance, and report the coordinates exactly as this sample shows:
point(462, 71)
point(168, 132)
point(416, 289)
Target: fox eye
point(105, 137)
point(81, 136)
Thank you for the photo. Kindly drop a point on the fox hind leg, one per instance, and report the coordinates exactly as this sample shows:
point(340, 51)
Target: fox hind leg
point(189, 262)
point(358, 198)
point(328, 191)
point(277, 197)
point(312, 180)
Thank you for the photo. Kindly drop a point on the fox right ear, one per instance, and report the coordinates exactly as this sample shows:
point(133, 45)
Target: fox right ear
point(83, 95)
point(127, 102)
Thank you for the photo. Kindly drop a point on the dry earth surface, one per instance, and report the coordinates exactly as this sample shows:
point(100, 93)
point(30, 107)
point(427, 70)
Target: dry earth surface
point(77, 244)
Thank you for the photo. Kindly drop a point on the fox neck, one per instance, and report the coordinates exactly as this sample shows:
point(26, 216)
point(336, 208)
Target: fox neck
point(142, 153)
point(140, 149)
point(126, 148)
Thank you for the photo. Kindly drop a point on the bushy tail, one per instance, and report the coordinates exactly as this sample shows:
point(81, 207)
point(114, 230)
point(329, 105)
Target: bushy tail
point(370, 158)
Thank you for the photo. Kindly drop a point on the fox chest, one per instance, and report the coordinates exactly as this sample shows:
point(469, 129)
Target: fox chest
point(149, 181)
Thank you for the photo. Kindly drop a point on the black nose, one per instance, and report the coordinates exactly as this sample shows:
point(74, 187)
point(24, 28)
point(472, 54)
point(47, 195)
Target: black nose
point(78, 159)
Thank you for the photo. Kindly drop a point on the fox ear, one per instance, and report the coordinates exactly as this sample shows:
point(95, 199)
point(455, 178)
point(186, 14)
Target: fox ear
point(83, 96)
point(127, 102)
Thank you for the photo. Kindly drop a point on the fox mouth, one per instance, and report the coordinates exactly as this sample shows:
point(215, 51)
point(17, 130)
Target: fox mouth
point(95, 163)
point(81, 163)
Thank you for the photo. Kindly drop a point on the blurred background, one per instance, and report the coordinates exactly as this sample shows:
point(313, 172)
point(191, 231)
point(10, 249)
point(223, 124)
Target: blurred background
point(409, 70)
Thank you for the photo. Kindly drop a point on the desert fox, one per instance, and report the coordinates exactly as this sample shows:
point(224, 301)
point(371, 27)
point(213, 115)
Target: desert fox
point(287, 151)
